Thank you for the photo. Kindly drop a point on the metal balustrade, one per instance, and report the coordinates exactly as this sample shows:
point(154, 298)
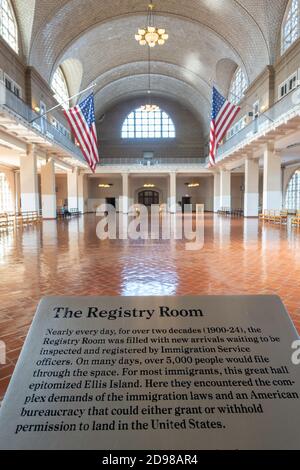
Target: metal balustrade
point(42, 125)
point(153, 162)
point(281, 110)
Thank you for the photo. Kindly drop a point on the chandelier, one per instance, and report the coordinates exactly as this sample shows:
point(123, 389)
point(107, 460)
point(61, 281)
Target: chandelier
point(149, 108)
point(150, 34)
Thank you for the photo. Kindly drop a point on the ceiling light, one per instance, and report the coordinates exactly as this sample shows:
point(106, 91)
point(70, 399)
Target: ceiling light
point(150, 34)
point(105, 185)
point(192, 185)
point(149, 185)
point(149, 108)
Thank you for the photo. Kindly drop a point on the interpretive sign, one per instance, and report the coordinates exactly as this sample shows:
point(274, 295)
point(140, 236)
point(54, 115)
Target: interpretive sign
point(186, 373)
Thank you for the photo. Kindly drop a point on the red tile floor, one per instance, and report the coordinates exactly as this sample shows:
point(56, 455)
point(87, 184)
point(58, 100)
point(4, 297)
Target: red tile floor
point(66, 258)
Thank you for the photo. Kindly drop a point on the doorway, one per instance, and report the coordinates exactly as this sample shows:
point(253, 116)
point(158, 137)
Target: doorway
point(186, 201)
point(111, 201)
point(148, 198)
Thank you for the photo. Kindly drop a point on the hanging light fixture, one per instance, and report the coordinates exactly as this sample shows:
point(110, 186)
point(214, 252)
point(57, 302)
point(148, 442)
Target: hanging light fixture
point(149, 107)
point(150, 34)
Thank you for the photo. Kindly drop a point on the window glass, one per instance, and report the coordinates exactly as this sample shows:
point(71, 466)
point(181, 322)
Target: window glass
point(148, 125)
point(238, 87)
point(6, 204)
point(59, 86)
point(8, 25)
point(291, 27)
point(292, 200)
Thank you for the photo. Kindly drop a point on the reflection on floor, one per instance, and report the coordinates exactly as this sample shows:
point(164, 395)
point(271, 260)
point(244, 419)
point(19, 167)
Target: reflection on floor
point(66, 258)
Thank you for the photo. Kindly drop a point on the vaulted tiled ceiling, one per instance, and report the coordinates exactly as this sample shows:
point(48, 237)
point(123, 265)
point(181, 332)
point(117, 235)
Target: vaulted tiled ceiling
point(100, 35)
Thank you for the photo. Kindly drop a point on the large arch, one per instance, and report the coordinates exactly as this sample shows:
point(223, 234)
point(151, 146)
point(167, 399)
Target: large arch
point(165, 86)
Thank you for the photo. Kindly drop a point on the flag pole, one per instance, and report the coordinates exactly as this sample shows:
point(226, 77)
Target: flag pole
point(65, 101)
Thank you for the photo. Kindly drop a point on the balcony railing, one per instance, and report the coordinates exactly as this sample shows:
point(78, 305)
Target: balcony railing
point(281, 110)
point(42, 125)
point(152, 162)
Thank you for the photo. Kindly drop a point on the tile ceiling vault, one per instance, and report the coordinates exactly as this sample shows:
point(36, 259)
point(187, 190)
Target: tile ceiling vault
point(100, 45)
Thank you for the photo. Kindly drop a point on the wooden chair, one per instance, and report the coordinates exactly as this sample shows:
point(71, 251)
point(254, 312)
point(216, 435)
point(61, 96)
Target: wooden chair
point(272, 216)
point(3, 221)
point(19, 219)
point(296, 221)
point(264, 215)
point(284, 215)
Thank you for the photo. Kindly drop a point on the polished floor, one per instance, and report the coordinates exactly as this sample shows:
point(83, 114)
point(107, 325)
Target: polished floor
point(66, 258)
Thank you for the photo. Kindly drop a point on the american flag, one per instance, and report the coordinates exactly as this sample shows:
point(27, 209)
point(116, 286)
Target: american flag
point(223, 115)
point(83, 124)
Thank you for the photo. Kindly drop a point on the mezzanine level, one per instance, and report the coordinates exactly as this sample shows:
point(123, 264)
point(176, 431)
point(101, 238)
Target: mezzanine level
point(156, 163)
point(280, 120)
point(18, 119)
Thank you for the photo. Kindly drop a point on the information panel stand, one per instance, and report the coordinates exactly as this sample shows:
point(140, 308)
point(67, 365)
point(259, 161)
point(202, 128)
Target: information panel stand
point(156, 373)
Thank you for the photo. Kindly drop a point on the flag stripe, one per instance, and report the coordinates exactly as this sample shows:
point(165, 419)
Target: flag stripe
point(80, 131)
point(79, 136)
point(88, 134)
point(223, 115)
point(87, 137)
point(83, 124)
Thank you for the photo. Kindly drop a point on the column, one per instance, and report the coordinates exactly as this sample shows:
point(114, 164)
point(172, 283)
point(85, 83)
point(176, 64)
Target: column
point(48, 190)
point(272, 197)
point(82, 192)
point(225, 189)
point(17, 191)
point(124, 199)
point(73, 189)
point(29, 181)
point(217, 184)
point(172, 193)
point(251, 197)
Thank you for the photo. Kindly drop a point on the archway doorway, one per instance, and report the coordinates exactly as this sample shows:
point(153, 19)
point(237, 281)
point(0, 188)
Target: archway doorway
point(148, 198)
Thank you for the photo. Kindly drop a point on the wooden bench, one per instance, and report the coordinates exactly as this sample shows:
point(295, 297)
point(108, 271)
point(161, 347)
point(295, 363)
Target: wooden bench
point(273, 216)
point(237, 212)
point(296, 221)
point(280, 217)
point(26, 218)
point(224, 211)
point(7, 220)
point(3, 221)
point(264, 215)
point(74, 212)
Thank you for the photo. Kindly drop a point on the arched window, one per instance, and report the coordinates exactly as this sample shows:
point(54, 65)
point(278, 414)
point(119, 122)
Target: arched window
point(6, 203)
point(292, 199)
point(148, 125)
point(238, 86)
point(8, 25)
point(60, 88)
point(291, 25)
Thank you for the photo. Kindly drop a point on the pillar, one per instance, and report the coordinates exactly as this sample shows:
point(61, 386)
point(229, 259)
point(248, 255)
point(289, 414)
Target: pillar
point(225, 189)
point(29, 181)
point(272, 196)
point(217, 183)
point(124, 203)
point(251, 198)
point(48, 190)
point(17, 191)
point(73, 189)
point(172, 193)
point(82, 192)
